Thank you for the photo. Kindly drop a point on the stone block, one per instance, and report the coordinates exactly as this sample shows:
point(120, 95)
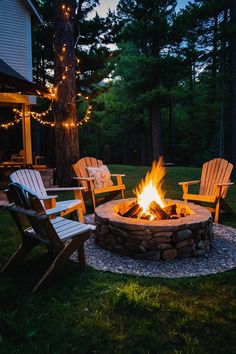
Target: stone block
point(183, 235)
point(119, 247)
point(169, 254)
point(133, 239)
point(150, 244)
point(186, 249)
point(199, 253)
point(101, 236)
point(163, 234)
point(117, 232)
point(119, 239)
point(146, 232)
point(101, 220)
point(184, 255)
point(104, 229)
point(150, 255)
point(164, 246)
point(185, 243)
point(139, 236)
point(135, 247)
point(201, 245)
point(164, 239)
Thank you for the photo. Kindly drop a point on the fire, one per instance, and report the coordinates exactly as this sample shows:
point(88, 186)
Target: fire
point(150, 188)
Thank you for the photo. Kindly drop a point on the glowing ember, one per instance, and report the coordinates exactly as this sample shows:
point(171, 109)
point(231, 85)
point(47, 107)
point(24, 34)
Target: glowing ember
point(150, 188)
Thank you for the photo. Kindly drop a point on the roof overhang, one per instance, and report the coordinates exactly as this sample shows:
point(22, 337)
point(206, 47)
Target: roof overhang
point(12, 99)
point(11, 82)
point(33, 10)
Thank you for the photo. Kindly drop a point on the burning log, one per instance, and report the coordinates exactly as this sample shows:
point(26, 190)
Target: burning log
point(157, 211)
point(145, 217)
point(170, 209)
point(133, 211)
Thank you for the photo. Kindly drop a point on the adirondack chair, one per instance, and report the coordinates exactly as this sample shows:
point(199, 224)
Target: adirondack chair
point(82, 176)
point(32, 179)
point(36, 228)
point(214, 183)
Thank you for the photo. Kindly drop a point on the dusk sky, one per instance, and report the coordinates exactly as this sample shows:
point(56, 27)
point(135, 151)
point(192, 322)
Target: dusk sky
point(106, 4)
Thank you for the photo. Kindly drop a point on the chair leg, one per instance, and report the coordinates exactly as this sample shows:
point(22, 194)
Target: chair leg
point(122, 194)
point(17, 258)
point(93, 200)
point(61, 259)
point(80, 214)
point(81, 255)
point(217, 211)
point(78, 195)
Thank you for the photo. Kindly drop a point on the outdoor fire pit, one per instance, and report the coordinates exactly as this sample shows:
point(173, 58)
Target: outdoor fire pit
point(187, 236)
point(152, 227)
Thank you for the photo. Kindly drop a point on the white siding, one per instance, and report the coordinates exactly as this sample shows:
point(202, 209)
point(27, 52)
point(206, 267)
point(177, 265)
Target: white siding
point(15, 36)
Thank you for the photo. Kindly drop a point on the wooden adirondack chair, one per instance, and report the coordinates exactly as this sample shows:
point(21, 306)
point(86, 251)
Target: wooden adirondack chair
point(214, 183)
point(36, 228)
point(32, 179)
point(82, 176)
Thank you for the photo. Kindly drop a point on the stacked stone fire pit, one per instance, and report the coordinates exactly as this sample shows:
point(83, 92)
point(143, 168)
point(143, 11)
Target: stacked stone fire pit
point(187, 236)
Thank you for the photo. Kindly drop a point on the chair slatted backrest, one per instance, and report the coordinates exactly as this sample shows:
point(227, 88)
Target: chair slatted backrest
point(31, 179)
point(30, 206)
point(80, 167)
point(213, 172)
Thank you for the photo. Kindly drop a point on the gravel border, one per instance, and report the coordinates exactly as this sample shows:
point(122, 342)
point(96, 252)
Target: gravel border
point(220, 258)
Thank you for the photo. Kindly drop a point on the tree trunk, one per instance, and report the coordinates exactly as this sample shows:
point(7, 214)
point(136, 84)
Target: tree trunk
point(142, 147)
point(214, 59)
point(156, 124)
point(171, 133)
point(191, 104)
point(222, 93)
point(66, 136)
point(233, 83)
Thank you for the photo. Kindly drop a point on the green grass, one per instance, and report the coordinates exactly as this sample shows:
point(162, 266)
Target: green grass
point(97, 312)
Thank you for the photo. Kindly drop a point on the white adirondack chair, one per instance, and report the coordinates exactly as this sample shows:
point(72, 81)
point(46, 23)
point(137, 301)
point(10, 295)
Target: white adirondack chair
point(32, 180)
point(36, 227)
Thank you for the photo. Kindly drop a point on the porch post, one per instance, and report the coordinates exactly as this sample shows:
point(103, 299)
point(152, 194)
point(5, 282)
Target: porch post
point(26, 132)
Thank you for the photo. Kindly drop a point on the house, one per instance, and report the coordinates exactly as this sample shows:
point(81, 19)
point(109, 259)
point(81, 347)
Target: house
point(16, 87)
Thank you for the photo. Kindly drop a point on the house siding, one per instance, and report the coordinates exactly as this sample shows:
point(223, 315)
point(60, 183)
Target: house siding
point(15, 36)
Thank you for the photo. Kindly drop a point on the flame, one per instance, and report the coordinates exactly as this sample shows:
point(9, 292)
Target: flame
point(150, 188)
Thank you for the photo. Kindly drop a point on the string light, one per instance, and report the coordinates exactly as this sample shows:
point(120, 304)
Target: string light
point(10, 124)
point(40, 116)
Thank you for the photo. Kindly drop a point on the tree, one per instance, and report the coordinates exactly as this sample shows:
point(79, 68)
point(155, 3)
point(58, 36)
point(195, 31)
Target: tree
point(233, 80)
point(141, 22)
point(66, 133)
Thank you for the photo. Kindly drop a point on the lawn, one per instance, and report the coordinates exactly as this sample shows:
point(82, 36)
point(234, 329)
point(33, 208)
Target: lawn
point(97, 312)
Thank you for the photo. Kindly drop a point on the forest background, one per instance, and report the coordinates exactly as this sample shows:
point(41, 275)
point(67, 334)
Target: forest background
point(161, 81)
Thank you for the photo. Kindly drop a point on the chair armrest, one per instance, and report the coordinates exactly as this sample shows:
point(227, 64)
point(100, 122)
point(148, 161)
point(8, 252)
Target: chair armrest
point(225, 184)
point(56, 211)
point(64, 189)
point(189, 183)
point(220, 190)
point(84, 178)
point(47, 197)
point(119, 180)
point(117, 174)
